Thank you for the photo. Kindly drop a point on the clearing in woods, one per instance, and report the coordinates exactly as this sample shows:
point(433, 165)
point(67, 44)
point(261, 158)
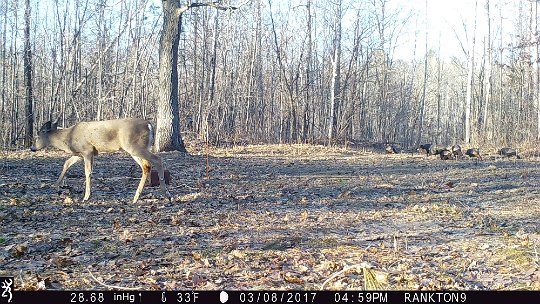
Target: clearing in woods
point(273, 217)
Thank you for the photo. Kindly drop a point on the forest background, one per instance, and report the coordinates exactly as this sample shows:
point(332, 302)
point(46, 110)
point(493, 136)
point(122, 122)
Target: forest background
point(289, 71)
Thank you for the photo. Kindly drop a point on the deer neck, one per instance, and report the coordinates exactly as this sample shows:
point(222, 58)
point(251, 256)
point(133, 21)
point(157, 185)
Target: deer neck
point(58, 139)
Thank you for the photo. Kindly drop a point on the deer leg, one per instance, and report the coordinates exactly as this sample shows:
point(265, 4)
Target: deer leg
point(69, 162)
point(145, 166)
point(156, 161)
point(88, 161)
point(153, 159)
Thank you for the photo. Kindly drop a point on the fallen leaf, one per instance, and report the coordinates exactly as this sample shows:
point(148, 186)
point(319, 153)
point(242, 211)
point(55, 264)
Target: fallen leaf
point(345, 194)
point(68, 200)
point(175, 220)
point(19, 250)
point(126, 236)
point(61, 261)
point(292, 278)
point(304, 215)
point(197, 256)
point(237, 254)
point(116, 224)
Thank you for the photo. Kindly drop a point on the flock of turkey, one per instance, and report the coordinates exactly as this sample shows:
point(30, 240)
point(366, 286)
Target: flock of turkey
point(454, 151)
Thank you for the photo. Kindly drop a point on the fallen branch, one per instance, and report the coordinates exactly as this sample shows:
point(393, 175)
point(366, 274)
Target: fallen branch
point(536, 254)
point(110, 286)
point(363, 266)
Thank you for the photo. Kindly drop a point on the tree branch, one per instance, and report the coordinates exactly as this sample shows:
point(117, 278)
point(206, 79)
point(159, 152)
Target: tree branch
point(214, 4)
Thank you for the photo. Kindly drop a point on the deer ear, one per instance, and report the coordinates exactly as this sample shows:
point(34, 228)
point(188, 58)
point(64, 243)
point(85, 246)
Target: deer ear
point(46, 127)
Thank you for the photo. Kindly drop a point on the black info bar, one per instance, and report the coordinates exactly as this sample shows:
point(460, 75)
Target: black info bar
point(269, 296)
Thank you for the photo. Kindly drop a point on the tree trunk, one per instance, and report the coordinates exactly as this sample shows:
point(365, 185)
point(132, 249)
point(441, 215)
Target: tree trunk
point(537, 79)
point(470, 68)
point(424, 88)
point(309, 87)
point(29, 134)
point(212, 88)
point(3, 112)
point(336, 77)
point(487, 78)
point(168, 136)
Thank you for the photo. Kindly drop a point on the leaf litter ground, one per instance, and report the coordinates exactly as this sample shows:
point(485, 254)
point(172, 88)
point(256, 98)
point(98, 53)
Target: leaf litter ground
point(273, 217)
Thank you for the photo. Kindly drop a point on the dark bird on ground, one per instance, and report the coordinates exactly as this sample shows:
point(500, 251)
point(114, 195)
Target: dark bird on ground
point(390, 149)
point(509, 152)
point(474, 152)
point(446, 154)
point(436, 151)
point(424, 148)
point(429, 149)
point(456, 150)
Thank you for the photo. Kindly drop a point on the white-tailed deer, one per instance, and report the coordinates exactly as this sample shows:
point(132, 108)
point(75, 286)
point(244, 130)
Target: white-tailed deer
point(86, 139)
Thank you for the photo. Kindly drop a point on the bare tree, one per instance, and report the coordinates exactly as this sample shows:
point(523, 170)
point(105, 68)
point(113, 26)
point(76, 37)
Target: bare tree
point(335, 90)
point(4, 96)
point(425, 84)
point(487, 65)
point(167, 117)
point(470, 71)
point(29, 107)
point(168, 136)
point(536, 40)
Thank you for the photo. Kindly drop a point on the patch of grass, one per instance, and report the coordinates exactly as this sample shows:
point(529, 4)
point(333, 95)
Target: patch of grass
point(443, 209)
point(446, 209)
point(323, 242)
point(96, 243)
point(446, 278)
point(2, 240)
point(517, 256)
point(282, 244)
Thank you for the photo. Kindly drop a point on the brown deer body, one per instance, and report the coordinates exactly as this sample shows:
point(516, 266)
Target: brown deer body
point(86, 139)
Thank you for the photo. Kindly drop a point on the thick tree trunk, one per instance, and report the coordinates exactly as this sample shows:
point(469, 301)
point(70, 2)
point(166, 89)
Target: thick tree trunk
point(168, 136)
point(470, 70)
point(424, 88)
point(335, 91)
point(537, 79)
point(308, 70)
point(487, 78)
point(29, 134)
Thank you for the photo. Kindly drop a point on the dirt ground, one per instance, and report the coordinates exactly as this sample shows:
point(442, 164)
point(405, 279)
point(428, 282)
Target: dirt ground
point(273, 217)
